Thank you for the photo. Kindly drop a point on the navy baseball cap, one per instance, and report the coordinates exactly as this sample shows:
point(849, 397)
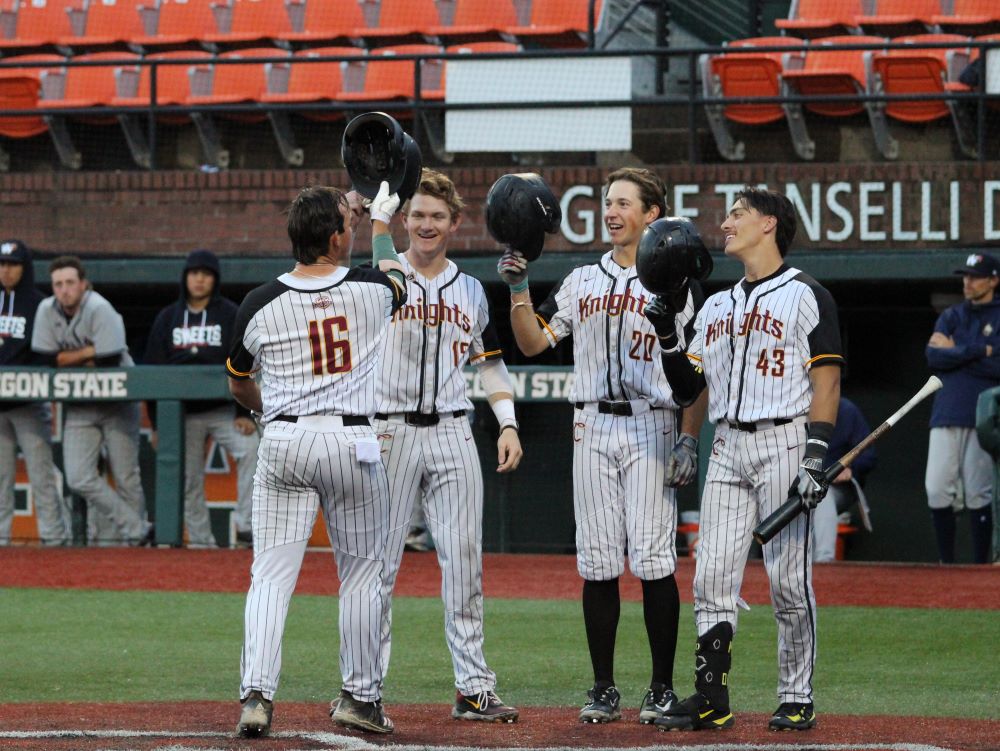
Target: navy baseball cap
point(13, 251)
point(980, 264)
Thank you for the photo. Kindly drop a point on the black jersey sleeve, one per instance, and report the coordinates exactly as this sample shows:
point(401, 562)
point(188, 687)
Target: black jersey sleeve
point(239, 364)
point(824, 338)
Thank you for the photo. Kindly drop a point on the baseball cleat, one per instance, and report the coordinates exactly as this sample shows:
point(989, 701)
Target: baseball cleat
point(485, 706)
point(793, 716)
point(695, 713)
point(368, 716)
point(603, 705)
point(255, 717)
point(658, 699)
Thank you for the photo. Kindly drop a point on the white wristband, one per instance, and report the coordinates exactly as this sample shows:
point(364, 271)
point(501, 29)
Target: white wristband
point(504, 411)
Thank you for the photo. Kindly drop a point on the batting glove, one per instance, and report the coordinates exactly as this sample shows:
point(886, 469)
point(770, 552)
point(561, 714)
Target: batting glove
point(662, 313)
point(384, 204)
point(513, 269)
point(683, 461)
point(811, 484)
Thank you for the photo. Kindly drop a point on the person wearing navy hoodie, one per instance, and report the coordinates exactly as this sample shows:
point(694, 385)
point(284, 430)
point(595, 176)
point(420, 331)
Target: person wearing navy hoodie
point(196, 330)
point(25, 424)
point(964, 351)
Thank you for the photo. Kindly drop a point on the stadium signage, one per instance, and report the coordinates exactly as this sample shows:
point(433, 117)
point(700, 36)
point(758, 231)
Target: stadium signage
point(68, 385)
point(871, 211)
point(529, 384)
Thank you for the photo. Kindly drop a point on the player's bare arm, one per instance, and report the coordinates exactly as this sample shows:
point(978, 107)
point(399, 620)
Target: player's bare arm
point(513, 269)
point(77, 358)
point(826, 394)
point(246, 392)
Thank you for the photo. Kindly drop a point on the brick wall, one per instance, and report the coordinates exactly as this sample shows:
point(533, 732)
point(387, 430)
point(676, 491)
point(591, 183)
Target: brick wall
point(240, 212)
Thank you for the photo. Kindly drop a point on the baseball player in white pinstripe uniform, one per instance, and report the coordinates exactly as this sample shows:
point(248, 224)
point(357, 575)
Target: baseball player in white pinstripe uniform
point(761, 348)
point(314, 335)
point(624, 425)
point(423, 426)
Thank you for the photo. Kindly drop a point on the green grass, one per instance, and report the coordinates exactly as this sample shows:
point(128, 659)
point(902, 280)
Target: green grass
point(71, 645)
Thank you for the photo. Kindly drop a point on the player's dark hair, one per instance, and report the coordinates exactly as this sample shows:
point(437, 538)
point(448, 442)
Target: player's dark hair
point(440, 186)
point(772, 203)
point(67, 262)
point(313, 218)
point(652, 190)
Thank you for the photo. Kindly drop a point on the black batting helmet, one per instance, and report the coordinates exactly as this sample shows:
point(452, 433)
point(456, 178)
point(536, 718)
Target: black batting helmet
point(671, 252)
point(375, 148)
point(520, 209)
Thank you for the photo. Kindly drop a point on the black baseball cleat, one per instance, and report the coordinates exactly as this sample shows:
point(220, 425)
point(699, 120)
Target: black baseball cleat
point(603, 705)
point(658, 699)
point(255, 717)
point(793, 716)
point(352, 713)
point(485, 706)
point(695, 713)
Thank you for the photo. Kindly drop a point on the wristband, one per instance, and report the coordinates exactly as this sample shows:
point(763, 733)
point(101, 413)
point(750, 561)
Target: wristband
point(521, 286)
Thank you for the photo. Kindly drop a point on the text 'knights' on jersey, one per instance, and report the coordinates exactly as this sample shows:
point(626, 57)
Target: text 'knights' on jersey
point(444, 325)
point(616, 352)
point(316, 342)
point(756, 343)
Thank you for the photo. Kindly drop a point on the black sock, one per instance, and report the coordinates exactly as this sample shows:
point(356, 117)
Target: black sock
point(944, 530)
point(661, 607)
point(601, 608)
point(981, 523)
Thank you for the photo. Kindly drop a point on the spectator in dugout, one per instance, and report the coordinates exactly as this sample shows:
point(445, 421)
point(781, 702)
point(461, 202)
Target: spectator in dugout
point(27, 425)
point(78, 328)
point(196, 330)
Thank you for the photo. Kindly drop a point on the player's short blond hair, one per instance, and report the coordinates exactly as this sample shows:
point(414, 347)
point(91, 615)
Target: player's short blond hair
point(438, 185)
point(652, 190)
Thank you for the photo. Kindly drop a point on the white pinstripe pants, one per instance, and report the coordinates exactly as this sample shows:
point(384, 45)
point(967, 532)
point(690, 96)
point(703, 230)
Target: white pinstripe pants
point(441, 463)
point(748, 477)
point(620, 498)
point(298, 472)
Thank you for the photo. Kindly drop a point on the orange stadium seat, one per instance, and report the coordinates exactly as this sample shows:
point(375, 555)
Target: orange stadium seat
point(314, 82)
point(921, 71)
point(744, 73)
point(91, 86)
point(238, 83)
point(818, 18)
point(330, 22)
point(832, 72)
point(109, 23)
point(476, 20)
point(20, 89)
point(180, 23)
point(971, 17)
point(474, 47)
point(253, 22)
point(387, 79)
point(900, 17)
point(39, 24)
point(399, 22)
point(555, 23)
point(173, 83)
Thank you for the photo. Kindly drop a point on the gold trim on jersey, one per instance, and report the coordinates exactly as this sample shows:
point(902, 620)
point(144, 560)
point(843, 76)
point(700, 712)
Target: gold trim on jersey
point(823, 357)
point(400, 288)
point(493, 353)
point(692, 357)
point(546, 325)
point(235, 372)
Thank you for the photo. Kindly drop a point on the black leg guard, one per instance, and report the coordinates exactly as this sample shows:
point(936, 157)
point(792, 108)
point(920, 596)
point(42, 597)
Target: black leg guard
point(712, 662)
point(981, 521)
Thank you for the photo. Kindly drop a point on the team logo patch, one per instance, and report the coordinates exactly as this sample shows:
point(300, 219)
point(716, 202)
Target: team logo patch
point(322, 302)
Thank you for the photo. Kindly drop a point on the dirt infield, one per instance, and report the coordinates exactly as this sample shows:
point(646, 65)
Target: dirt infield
point(177, 726)
point(522, 576)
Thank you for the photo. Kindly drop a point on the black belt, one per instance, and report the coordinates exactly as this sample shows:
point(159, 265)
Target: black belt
point(621, 409)
point(422, 419)
point(349, 420)
point(751, 427)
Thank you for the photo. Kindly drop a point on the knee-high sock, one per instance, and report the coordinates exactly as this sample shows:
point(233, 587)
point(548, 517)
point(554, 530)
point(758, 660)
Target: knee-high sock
point(981, 521)
point(601, 608)
point(944, 531)
point(661, 606)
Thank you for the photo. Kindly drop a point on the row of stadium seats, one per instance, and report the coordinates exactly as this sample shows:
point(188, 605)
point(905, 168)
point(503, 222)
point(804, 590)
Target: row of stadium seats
point(821, 71)
point(809, 19)
point(80, 26)
point(200, 79)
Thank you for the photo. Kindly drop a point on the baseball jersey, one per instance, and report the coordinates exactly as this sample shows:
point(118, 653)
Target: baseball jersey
point(323, 337)
point(616, 353)
point(95, 322)
point(444, 325)
point(757, 341)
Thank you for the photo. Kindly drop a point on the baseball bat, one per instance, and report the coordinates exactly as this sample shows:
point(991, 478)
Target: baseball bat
point(791, 508)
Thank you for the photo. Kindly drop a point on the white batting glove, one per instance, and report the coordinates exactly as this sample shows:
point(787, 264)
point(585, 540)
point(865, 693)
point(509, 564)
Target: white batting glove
point(683, 462)
point(810, 483)
point(384, 204)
